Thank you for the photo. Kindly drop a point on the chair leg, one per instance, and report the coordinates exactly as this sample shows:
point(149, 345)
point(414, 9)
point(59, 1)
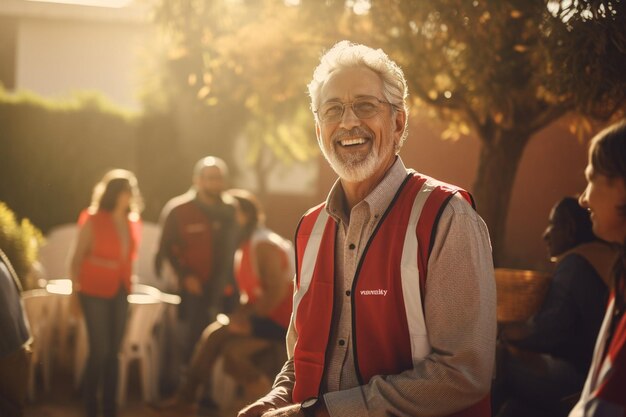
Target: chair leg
point(46, 369)
point(122, 378)
point(31, 376)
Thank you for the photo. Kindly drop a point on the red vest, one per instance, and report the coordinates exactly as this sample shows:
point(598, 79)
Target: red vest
point(249, 282)
point(606, 381)
point(195, 232)
point(389, 334)
point(104, 268)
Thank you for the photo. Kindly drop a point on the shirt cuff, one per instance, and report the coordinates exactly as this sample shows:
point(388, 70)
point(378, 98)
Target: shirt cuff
point(346, 403)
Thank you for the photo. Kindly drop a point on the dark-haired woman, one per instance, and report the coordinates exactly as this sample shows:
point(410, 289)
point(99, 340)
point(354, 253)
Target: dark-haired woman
point(101, 269)
point(604, 393)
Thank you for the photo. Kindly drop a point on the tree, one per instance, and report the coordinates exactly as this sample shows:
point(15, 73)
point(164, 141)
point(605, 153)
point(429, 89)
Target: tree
point(239, 67)
point(505, 70)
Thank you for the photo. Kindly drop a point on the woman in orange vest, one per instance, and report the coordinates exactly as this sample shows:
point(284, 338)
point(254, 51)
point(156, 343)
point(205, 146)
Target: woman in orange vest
point(101, 268)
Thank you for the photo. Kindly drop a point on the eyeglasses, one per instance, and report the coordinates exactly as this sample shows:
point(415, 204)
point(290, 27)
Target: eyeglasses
point(363, 108)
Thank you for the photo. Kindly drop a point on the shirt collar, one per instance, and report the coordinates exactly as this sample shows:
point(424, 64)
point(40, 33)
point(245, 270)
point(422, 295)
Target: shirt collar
point(378, 200)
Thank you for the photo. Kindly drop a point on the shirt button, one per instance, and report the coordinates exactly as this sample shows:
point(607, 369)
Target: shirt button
point(348, 293)
point(351, 246)
point(342, 342)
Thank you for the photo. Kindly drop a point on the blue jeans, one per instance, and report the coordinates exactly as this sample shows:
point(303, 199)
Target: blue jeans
point(105, 319)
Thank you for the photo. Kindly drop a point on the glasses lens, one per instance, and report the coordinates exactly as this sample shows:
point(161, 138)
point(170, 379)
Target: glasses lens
point(331, 111)
point(365, 107)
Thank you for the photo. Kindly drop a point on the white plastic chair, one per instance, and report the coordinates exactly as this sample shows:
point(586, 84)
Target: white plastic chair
point(148, 247)
point(39, 305)
point(140, 344)
point(60, 291)
point(54, 254)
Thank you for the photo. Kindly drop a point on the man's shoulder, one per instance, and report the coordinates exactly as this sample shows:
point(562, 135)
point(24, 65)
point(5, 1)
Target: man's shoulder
point(433, 182)
point(177, 203)
point(315, 209)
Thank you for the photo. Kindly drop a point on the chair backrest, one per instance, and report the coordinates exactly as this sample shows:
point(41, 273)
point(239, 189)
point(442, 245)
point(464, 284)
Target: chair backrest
point(155, 293)
point(148, 247)
point(54, 254)
point(145, 313)
point(520, 293)
point(39, 306)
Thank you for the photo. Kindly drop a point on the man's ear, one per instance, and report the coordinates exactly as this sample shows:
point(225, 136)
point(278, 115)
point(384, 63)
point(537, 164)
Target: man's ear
point(318, 133)
point(399, 121)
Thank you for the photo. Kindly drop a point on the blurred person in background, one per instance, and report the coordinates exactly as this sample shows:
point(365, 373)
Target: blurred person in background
point(101, 269)
point(14, 342)
point(264, 271)
point(198, 241)
point(604, 393)
point(545, 361)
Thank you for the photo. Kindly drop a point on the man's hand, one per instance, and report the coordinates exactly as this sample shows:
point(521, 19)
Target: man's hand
point(256, 409)
point(192, 285)
point(289, 411)
point(293, 410)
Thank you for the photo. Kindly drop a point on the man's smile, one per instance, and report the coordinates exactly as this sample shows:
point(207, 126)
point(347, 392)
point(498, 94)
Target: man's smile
point(352, 141)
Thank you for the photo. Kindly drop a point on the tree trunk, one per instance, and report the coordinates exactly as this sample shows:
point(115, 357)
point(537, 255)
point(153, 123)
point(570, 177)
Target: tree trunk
point(497, 167)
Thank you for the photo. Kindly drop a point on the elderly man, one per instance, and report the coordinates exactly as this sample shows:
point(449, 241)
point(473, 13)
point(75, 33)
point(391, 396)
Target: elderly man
point(394, 309)
point(199, 241)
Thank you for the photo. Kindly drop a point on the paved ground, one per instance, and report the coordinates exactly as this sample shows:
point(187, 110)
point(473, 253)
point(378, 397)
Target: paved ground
point(64, 401)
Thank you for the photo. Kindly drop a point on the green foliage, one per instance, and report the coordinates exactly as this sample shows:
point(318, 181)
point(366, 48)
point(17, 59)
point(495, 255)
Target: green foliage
point(20, 241)
point(244, 63)
point(53, 153)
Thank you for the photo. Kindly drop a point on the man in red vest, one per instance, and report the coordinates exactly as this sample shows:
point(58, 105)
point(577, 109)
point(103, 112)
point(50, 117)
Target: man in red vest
point(198, 241)
point(394, 310)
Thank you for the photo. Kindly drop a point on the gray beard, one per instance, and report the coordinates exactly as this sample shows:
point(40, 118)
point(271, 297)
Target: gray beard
point(355, 168)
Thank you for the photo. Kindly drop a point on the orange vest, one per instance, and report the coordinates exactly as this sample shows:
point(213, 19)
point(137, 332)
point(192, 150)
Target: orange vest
point(389, 335)
point(104, 268)
point(249, 282)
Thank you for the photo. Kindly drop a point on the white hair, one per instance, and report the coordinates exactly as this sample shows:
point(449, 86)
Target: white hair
point(346, 54)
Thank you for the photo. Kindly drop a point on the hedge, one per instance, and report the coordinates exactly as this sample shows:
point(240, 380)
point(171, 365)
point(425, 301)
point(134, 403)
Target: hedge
point(53, 152)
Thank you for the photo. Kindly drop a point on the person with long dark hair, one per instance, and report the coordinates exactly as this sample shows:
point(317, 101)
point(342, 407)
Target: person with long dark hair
point(604, 393)
point(101, 269)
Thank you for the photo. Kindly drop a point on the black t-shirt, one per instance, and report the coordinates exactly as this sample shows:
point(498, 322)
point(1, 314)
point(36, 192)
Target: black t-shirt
point(570, 317)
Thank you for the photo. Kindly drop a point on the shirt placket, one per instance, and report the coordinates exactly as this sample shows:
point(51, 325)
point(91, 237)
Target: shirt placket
point(354, 242)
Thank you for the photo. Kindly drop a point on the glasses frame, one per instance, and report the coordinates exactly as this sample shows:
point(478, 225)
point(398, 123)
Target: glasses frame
point(351, 103)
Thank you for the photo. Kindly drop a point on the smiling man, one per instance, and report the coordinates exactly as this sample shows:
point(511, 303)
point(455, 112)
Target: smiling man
point(394, 309)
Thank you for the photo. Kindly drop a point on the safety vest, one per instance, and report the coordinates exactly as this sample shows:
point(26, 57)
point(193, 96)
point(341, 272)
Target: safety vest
point(247, 274)
point(195, 247)
point(105, 268)
point(606, 380)
point(388, 328)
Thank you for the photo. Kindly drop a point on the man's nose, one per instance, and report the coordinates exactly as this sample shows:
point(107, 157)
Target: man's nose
point(349, 118)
